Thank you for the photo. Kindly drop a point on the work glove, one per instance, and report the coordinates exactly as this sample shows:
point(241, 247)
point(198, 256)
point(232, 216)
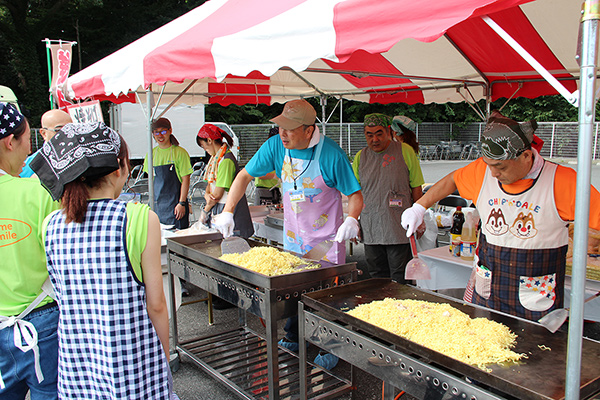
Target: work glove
point(412, 218)
point(224, 223)
point(348, 230)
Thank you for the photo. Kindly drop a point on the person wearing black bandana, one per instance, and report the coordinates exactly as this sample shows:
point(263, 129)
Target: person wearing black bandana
point(103, 258)
point(525, 203)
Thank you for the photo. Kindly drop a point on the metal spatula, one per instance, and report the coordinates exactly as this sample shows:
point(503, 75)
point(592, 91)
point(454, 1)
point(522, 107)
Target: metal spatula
point(554, 319)
point(416, 268)
point(234, 244)
point(319, 251)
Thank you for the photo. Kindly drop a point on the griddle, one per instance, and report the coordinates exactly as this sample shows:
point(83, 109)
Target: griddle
point(236, 358)
point(540, 376)
point(207, 250)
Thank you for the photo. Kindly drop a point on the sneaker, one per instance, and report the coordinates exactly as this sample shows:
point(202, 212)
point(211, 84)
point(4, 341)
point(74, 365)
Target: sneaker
point(326, 360)
point(288, 344)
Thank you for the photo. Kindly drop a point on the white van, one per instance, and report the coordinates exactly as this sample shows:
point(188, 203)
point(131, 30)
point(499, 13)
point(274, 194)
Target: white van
point(130, 121)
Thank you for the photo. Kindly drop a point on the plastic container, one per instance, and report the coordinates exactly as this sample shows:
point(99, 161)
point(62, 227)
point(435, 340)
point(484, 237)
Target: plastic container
point(458, 220)
point(468, 236)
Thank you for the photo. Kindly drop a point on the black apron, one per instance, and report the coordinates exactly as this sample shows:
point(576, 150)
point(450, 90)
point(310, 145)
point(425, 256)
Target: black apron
point(166, 196)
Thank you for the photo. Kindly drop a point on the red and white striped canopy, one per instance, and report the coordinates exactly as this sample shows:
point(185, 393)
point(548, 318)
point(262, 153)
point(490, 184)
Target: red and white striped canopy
point(383, 51)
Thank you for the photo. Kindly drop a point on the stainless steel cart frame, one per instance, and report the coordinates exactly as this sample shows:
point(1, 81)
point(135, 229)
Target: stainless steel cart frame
point(427, 374)
point(239, 358)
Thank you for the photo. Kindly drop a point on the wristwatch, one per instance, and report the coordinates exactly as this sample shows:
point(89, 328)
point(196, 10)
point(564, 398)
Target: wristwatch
point(183, 203)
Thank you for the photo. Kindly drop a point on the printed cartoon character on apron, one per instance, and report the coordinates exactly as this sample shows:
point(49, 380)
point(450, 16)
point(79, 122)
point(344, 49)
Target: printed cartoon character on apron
point(521, 266)
point(313, 211)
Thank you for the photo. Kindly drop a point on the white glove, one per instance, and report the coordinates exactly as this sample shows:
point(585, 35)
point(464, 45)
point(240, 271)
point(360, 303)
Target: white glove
point(224, 223)
point(412, 218)
point(348, 230)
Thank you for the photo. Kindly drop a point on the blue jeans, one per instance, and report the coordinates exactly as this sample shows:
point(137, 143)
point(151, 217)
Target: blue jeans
point(18, 368)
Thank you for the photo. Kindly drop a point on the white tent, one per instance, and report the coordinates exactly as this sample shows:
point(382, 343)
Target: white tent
point(265, 51)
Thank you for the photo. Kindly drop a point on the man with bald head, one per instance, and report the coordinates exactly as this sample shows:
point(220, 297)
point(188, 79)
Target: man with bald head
point(52, 122)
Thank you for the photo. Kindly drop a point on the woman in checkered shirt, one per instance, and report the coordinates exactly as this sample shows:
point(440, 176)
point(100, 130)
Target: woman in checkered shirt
point(104, 263)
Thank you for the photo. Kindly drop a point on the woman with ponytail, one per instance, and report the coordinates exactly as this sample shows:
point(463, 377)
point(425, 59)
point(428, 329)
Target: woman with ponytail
point(172, 169)
point(221, 170)
point(103, 257)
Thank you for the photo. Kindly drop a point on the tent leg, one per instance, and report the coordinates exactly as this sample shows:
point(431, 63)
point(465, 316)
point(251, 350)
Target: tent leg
point(149, 101)
point(587, 99)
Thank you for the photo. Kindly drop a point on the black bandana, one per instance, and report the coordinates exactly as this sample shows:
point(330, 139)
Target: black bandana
point(505, 139)
point(86, 150)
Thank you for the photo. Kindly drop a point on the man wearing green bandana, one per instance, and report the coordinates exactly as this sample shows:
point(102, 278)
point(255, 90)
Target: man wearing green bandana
point(525, 203)
point(390, 177)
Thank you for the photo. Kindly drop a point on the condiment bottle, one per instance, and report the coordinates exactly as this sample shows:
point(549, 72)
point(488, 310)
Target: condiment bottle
point(458, 220)
point(468, 237)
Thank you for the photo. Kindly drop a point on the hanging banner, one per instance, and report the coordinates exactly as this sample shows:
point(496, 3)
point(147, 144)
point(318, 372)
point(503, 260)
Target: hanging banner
point(61, 65)
point(89, 111)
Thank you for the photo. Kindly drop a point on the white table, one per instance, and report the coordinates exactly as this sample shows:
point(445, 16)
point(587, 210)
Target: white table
point(448, 272)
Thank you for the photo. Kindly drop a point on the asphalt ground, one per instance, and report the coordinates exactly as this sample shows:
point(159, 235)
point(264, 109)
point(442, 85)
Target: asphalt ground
point(191, 383)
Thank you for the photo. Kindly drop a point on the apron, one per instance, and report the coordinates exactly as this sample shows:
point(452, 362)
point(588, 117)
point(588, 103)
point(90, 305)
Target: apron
point(25, 330)
point(312, 210)
point(523, 244)
point(104, 332)
point(384, 180)
point(241, 213)
point(167, 188)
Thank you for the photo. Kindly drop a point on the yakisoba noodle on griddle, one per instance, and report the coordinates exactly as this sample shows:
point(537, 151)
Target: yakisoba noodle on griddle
point(269, 261)
point(443, 328)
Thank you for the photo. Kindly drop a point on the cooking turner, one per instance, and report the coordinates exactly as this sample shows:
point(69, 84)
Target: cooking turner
point(234, 244)
point(319, 251)
point(554, 319)
point(416, 268)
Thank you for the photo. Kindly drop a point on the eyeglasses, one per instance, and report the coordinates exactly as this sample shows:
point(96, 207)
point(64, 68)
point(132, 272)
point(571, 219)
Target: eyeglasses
point(55, 129)
point(163, 132)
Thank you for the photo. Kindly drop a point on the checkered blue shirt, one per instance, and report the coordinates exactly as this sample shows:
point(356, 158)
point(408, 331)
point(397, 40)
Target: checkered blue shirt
point(108, 347)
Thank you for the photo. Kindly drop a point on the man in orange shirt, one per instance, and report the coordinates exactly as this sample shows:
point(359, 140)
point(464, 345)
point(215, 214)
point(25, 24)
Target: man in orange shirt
point(525, 203)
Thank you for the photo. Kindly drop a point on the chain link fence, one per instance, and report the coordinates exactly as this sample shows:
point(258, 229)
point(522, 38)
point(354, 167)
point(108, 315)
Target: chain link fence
point(560, 138)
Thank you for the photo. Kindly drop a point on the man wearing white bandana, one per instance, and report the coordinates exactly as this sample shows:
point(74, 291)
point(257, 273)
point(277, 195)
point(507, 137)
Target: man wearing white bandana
point(525, 203)
point(28, 316)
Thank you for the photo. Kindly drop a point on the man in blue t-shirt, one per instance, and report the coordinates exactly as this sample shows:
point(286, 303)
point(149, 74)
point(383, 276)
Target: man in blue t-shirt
point(314, 171)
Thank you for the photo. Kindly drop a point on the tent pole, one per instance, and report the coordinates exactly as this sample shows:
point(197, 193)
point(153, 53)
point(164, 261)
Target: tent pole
point(323, 113)
point(149, 101)
point(587, 100)
point(571, 97)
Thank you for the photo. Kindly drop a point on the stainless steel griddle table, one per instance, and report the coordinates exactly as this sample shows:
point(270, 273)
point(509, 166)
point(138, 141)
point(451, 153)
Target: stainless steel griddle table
point(427, 374)
point(242, 359)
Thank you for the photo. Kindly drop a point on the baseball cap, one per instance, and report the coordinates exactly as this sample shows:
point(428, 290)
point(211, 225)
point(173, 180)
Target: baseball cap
point(296, 113)
point(161, 123)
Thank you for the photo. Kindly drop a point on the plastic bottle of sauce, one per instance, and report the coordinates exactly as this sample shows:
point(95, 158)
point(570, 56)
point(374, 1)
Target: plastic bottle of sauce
point(468, 236)
point(458, 220)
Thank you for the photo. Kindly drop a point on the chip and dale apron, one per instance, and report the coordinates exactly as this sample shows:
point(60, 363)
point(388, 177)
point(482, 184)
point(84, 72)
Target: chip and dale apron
point(523, 244)
point(312, 210)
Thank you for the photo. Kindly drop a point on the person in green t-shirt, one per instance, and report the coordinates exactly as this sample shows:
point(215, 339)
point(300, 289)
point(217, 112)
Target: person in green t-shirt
point(172, 170)
point(25, 309)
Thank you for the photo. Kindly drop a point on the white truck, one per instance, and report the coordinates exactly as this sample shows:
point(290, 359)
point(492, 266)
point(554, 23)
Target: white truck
point(130, 121)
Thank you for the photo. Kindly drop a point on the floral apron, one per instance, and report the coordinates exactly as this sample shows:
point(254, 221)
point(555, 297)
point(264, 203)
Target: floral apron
point(312, 210)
